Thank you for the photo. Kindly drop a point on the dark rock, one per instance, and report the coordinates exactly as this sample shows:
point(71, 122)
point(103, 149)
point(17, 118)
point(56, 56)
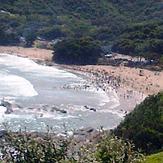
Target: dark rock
point(63, 111)
point(89, 129)
point(93, 109)
point(9, 106)
point(86, 107)
point(30, 108)
point(84, 131)
point(9, 110)
point(59, 110)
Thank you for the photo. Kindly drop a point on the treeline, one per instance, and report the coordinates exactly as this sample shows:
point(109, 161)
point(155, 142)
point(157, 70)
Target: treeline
point(68, 18)
point(143, 39)
point(7, 36)
point(107, 21)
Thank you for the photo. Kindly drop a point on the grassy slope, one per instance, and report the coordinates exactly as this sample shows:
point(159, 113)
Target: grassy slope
point(155, 158)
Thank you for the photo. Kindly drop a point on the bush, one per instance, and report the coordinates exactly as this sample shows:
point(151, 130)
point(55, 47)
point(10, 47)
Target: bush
point(31, 148)
point(144, 126)
point(76, 51)
point(114, 150)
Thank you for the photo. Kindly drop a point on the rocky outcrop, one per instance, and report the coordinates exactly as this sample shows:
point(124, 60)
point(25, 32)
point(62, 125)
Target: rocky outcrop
point(89, 108)
point(9, 106)
point(58, 110)
point(48, 108)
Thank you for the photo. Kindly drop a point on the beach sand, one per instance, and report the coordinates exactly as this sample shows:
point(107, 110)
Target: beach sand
point(128, 97)
point(33, 53)
point(141, 80)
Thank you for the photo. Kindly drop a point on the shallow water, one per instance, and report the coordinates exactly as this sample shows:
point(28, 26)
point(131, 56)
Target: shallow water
point(30, 85)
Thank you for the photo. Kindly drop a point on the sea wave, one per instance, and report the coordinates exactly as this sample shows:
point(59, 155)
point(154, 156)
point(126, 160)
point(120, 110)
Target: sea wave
point(27, 65)
point(13, 85)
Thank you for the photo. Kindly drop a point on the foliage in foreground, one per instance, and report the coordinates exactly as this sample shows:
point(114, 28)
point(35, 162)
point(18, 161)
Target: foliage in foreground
point(144, 126)
point(26, 148)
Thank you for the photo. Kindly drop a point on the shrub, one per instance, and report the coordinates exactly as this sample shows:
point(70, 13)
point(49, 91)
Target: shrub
point(31, 148)
point(144, 126)
point(114, 150)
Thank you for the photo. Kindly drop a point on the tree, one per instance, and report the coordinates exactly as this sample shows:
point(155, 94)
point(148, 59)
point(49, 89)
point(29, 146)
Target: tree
point(77, 51)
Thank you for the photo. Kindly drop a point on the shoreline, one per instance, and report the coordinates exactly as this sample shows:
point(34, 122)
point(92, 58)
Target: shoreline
point(131, 85)
point(32, 53)
point(109, 84)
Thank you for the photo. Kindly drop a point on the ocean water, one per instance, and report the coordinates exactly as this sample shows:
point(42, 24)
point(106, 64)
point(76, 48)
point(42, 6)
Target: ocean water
point(31, 85)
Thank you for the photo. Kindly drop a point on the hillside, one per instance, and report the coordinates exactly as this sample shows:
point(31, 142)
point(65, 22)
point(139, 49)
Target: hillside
point(144, 126)
point(108, 21)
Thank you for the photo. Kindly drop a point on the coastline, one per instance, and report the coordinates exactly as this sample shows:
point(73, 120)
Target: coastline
point(131, 85)
point(32, 53)
point(128, 98)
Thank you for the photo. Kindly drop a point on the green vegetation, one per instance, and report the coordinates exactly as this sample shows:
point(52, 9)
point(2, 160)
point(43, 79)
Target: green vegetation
point(114, 150)
point(29, 148)
point(143, 39)
point(155, 158)
point(144, 126)
point(77, 51)
point(68, 18)
point(132, 27)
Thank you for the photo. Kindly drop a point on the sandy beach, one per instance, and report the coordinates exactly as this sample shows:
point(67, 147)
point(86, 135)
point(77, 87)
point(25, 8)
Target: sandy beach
point(140, 80)
point(132, 85)
point(33, 53)
point(127, 96)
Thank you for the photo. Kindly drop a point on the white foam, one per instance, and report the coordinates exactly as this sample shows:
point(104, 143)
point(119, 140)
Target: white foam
point(27, 65)
point(13, 85)
point(115, 112)
point(4, 117)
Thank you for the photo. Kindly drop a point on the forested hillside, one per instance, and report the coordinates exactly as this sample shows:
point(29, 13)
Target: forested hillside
point(144, 126)
point(131, 26)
